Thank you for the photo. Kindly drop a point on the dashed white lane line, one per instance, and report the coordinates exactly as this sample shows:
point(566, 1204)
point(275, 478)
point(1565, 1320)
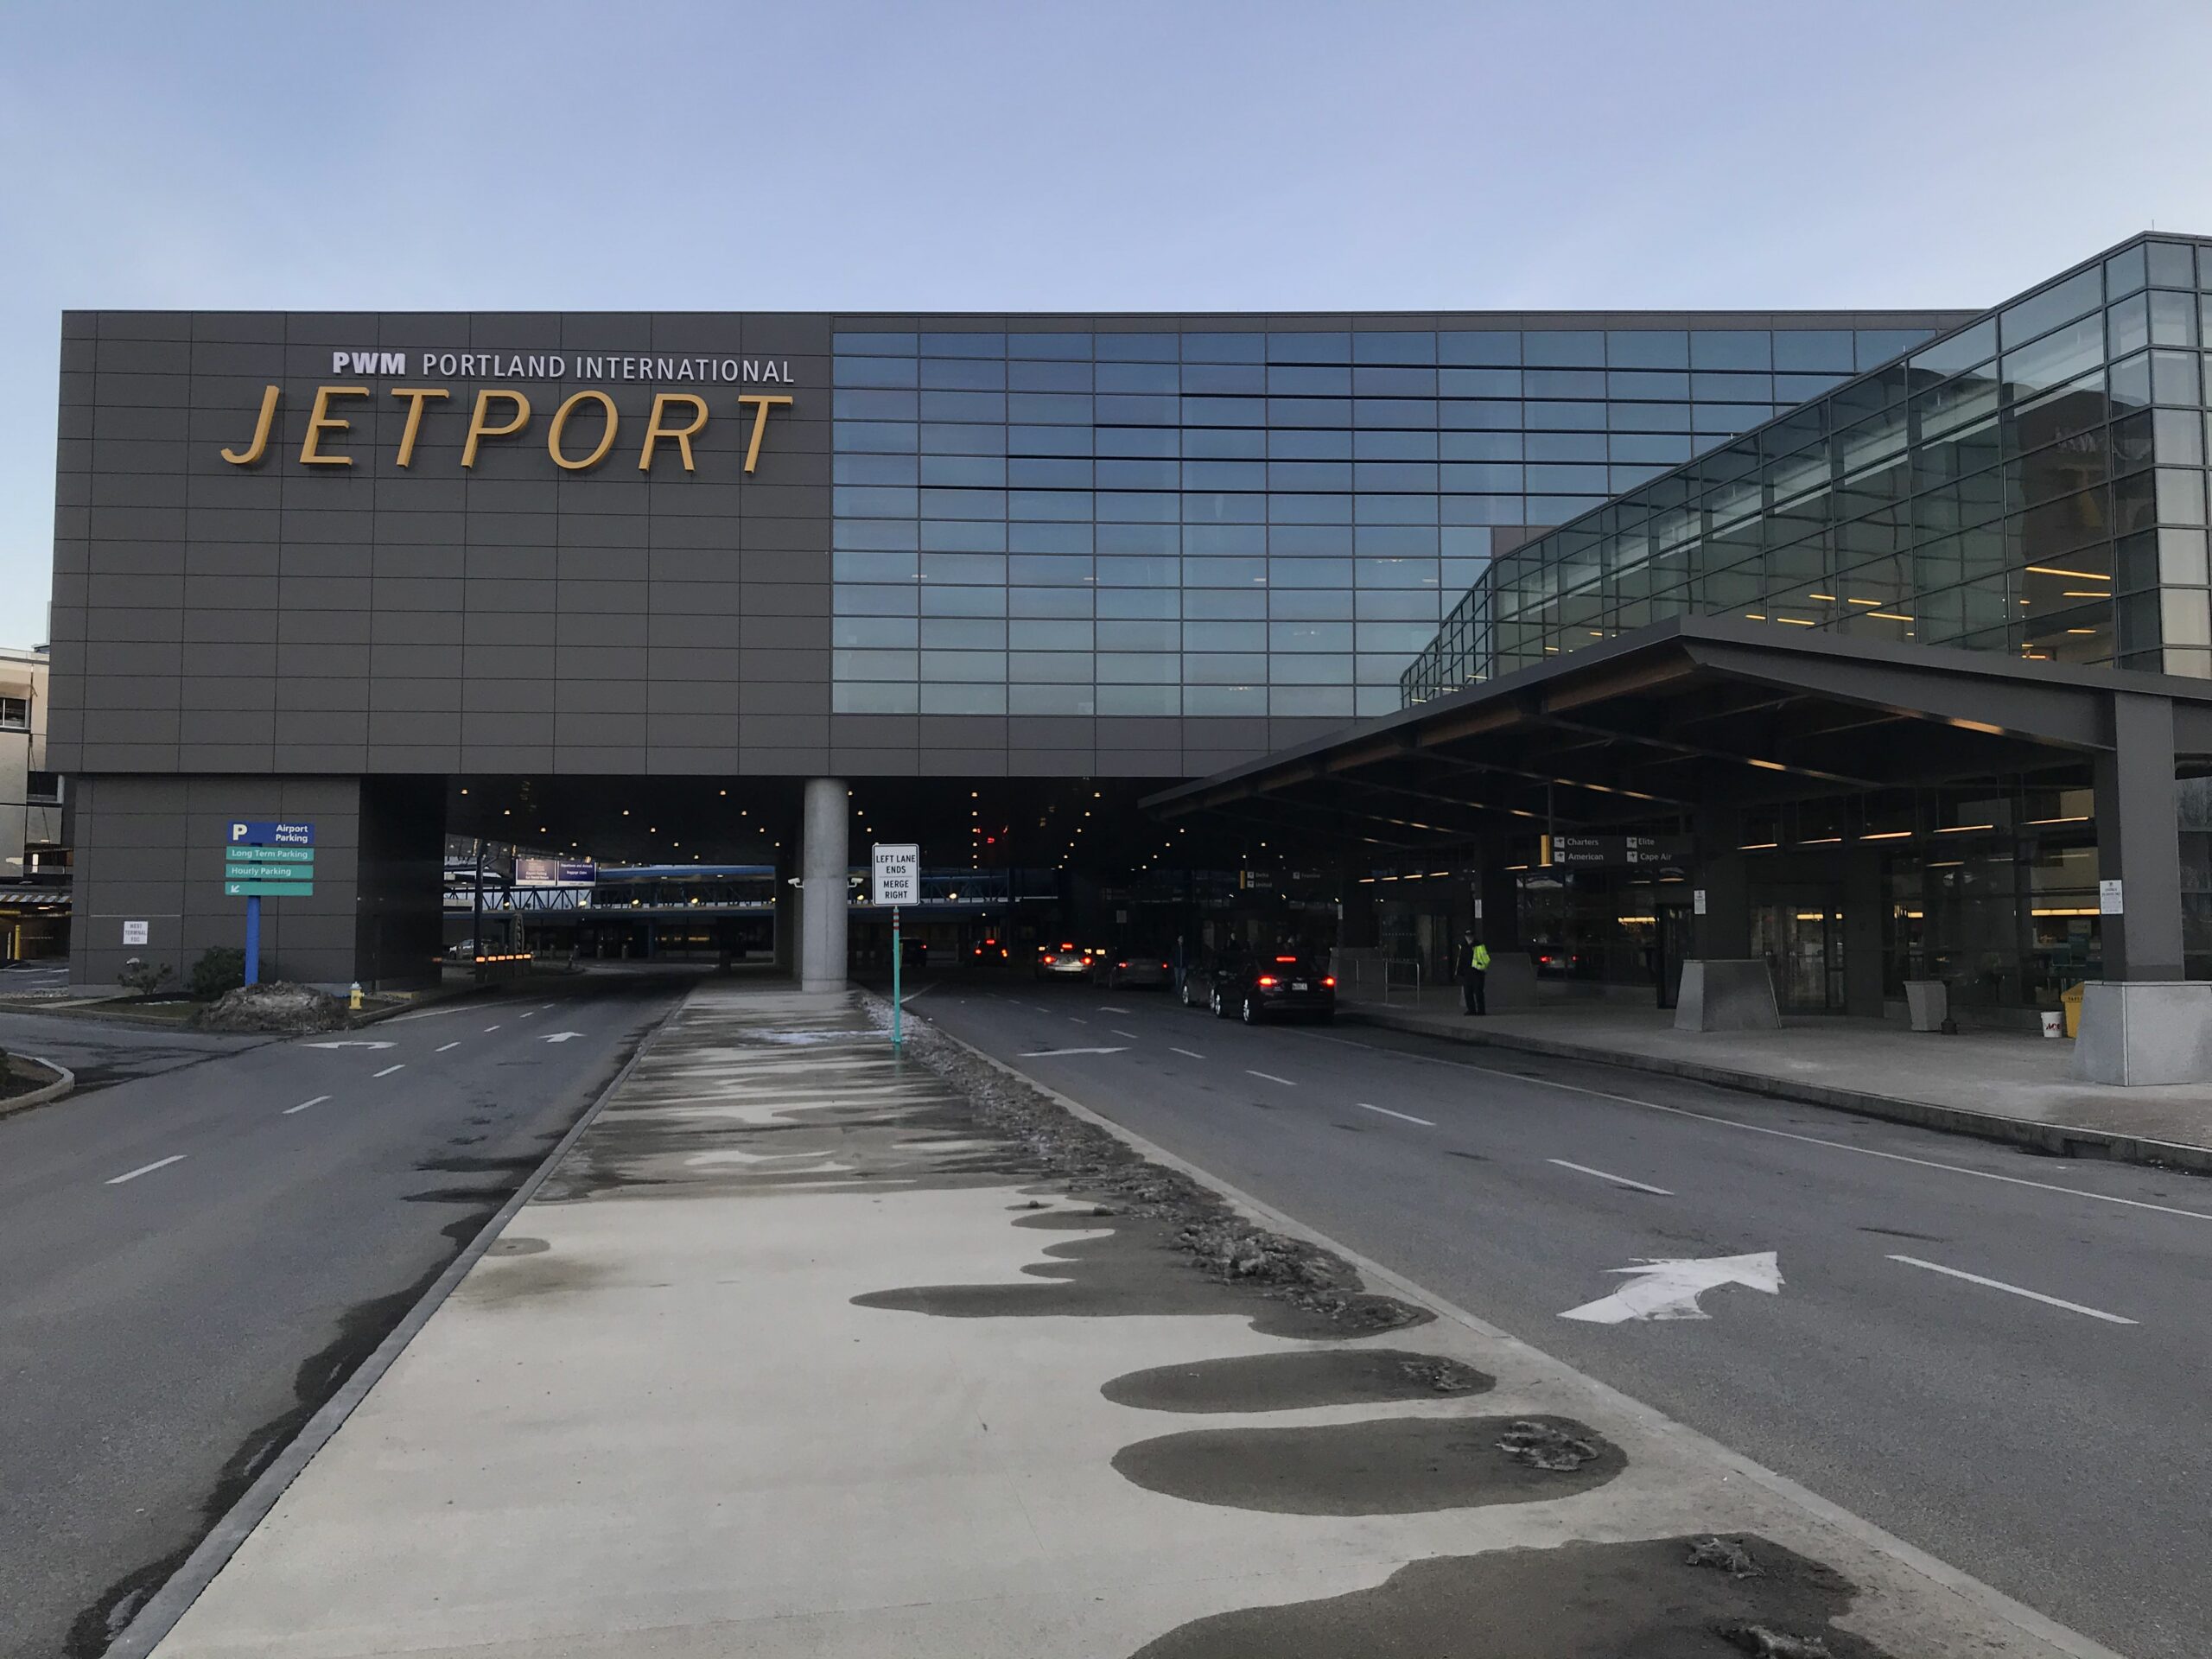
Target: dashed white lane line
point(1131, 1035)
point(1406, 1117)
point(147, 1169)
point(443, 1046)
point(1781, 1135)
point(303, 1105)
point(1269, 1076)
point(389, 1069)
point(1078, 1019)
point(1107, 1007)
point(527, 1014)
point(1606, 1175)
point(1187, 1054)
point(2013, 1290)
point(490, 1027)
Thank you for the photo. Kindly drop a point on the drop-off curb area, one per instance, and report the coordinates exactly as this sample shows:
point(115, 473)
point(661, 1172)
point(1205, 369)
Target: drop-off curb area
point(2065, 1140)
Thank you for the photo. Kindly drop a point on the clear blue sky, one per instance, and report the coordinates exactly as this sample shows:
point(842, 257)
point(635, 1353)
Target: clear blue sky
point(1117, 157)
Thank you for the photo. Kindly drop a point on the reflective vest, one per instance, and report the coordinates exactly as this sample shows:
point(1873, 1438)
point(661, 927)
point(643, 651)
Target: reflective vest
point(1480, 960)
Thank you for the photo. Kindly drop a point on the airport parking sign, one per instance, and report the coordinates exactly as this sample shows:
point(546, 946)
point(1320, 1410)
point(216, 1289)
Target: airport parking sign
point(897, 871)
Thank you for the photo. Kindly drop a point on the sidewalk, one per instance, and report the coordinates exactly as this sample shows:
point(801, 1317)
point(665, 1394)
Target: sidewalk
point(1994, 1084)
point(799, 1352)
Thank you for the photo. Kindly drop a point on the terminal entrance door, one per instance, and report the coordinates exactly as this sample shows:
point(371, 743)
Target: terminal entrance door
point(1802, 942)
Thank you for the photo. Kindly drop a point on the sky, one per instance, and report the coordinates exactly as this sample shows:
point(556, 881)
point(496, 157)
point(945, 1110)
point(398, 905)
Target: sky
point(1194, 155)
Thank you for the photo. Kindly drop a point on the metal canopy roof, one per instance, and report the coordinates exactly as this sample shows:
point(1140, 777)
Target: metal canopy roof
point(1697, 711)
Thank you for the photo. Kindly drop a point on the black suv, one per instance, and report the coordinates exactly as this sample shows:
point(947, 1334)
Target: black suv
point(1253, 989)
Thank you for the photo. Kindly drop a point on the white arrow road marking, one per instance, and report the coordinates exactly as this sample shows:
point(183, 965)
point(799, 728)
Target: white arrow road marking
point(1050, 1053)
point(303, 1105)
point(1618, 1180)
point(347, 1042)
point(389, 1069)
point(1404, 1117)
point(147, 1169)
point(2012, 1290)
point(561, 1036)
point(1669, 1290)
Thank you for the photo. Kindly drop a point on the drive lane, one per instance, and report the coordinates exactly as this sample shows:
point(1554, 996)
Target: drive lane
point(2055, 1454)
point(160, 1337)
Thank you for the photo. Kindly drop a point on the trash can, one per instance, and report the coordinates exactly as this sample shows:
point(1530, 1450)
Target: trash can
point(2054, 1023)
point(2070, 1000)
point(1927, 1003)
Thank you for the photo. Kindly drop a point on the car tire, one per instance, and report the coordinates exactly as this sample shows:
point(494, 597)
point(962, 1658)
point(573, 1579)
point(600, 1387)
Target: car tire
point(1251, 1012)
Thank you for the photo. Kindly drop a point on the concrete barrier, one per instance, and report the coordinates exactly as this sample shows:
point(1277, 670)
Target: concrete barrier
point(1728, 995)
point(2135, 1034)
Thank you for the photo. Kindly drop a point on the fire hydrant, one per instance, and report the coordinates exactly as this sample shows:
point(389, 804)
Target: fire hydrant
point(354, 997)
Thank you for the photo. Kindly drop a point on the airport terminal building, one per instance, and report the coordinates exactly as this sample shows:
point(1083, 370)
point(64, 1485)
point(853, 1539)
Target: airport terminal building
point(1053, 593)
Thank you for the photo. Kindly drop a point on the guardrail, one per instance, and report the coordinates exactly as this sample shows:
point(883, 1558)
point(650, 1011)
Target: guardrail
point(1380, 975)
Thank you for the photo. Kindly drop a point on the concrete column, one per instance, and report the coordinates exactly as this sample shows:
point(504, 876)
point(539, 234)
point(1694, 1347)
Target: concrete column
point(2144, 1024)
point(1357, 929)
point(1723, 932)
point(1864, 901)
point(2138, 840)
point(823, 857)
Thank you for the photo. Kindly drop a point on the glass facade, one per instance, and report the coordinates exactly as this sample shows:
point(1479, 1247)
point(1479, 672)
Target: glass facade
point(2032, 482)
point(1070, 518)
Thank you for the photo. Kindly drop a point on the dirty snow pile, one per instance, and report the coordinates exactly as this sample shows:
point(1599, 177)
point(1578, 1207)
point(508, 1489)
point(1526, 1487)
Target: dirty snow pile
point(281, 1006)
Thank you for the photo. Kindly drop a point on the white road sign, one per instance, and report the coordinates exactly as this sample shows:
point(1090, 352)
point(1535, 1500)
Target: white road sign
point(897, 873)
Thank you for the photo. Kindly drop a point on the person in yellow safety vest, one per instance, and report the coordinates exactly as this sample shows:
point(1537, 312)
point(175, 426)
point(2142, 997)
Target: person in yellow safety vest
point(1474, 970)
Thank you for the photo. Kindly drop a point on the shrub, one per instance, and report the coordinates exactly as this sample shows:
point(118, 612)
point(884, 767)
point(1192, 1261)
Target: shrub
point(220, 968)
point(142, 977)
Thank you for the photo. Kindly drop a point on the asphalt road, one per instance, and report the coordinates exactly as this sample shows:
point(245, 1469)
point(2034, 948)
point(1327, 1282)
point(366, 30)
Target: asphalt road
point(2040, 1424)
point(191, 1258)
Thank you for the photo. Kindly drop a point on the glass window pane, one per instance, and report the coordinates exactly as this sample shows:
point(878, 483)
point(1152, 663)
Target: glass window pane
point(1564, 348)
point(2077, 295)
point(1648, 348)
point(1480, 348)
point(1813, 351)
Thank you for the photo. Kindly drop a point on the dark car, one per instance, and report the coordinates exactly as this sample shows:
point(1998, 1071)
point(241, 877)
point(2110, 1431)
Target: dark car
point(1135, 969)
point(1275, 985)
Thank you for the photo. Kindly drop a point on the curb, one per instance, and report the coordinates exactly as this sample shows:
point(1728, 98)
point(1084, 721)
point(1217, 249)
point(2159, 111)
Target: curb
point(168, 1604)
point(2066, 1141)
point(1990, 1600)
point(64, 1081)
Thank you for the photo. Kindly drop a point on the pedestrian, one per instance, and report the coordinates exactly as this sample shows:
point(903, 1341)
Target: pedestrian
point(1474, 973)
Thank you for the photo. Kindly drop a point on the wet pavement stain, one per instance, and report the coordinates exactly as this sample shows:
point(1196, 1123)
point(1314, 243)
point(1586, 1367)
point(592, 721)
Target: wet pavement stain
point(517, 1247)
point(1141, 1265)
point(1640, 1600)
point(1385, 1465)
point(1295, 1381)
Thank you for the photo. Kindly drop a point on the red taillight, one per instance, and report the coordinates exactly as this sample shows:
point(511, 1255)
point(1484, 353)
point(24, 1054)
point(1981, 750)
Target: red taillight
point(1285, 958)
point(1328, 983)
point(1267, 981)
point(1120, 965)
point(1067, 945)
point(1049, 961)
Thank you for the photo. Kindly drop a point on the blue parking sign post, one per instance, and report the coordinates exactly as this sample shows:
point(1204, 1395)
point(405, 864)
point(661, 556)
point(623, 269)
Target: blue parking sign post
point(265, 856)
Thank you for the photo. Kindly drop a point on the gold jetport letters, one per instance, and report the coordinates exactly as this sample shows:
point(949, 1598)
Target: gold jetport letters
point(677, 419)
